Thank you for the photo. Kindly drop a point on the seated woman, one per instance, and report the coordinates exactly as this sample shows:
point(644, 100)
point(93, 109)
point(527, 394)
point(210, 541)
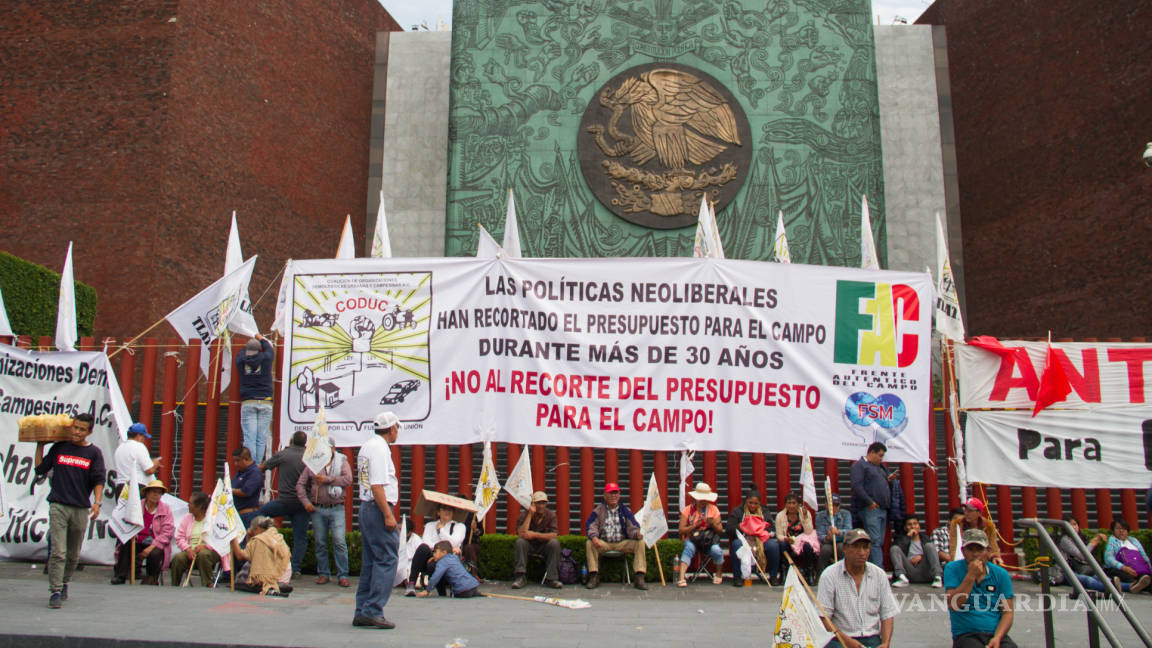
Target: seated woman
point(749, 520)
point(1080, 567)
point(797, 536)
point(444, 528)
point(194, 551)
point(1125, 560)
point(700, 528)
point(975, 517)
point(269, 559)
point(153, 544)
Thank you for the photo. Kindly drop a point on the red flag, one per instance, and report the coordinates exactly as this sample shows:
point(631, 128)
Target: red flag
point(1054, 385)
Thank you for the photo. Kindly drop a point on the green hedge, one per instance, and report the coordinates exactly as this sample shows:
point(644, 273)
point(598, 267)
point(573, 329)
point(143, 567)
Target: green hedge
point(31, 294)
point(497, 554)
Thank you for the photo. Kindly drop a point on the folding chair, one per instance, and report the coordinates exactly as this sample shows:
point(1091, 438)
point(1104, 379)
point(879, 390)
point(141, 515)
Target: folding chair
point(623, 556)
point(703, 560)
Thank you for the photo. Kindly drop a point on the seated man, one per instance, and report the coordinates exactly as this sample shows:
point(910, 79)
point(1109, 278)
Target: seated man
point(247, 480)
point(940, 536)
point(269, 559)
point(856, 596)
point(831, 529)
point(450, 574)
point(914, 557)
point(612, 527)
point(194, 552)
point(537, 530)
point(979, 595)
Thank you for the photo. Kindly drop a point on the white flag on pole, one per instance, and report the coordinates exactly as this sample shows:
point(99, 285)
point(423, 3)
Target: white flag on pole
point(347, 248)
point(868, 258)
point(828, 501)
point(519, 484)
point(486, 246)
point(708, 243)
point(780, 244)
point(243, 323)
point(207, 315)
point(799, 623)
point(403, 558)
point(223, 520)
point(381, 243)
point(280, 321)
point(318, 451)
point(127, 518)
point(948, 318)
point(808, 484)
point(653, 520)
point(488, 486)
point(66, 308)
point(5, 326)
point(511, 230)
point(686, 470)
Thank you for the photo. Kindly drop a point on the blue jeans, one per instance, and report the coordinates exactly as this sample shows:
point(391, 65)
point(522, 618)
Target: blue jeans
point(713, 551)
point(378, 549)
point(256, 421)
point(869, 642)
point(771, 556)
point(875, 521)
point(1091, 583)
point(322, 517)
point(298, 518)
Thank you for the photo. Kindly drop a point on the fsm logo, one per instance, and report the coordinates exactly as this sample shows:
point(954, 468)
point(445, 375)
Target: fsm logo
point(868, 324)
point(879, 418)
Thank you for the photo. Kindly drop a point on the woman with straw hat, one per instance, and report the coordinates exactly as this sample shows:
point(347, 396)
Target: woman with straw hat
point(700, 528)
point(154, 543)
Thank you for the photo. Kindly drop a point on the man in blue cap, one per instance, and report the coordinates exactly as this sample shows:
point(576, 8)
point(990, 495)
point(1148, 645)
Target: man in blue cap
point(132, 457)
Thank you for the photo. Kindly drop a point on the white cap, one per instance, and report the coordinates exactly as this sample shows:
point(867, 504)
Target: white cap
point(385, 420)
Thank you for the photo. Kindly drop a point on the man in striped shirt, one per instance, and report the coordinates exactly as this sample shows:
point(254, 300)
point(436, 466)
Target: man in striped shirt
point(856, 596)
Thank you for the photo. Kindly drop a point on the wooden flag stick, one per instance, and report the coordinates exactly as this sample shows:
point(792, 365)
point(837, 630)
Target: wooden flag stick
point(132, 568)
point(827, 617)
point(188, 576)
point(660, 566)
point(835, 556)
point(142, 334)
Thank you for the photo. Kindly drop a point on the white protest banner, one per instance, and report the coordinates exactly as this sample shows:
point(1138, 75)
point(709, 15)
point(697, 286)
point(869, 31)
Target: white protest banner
point(799, 624)
point(1108, 448)
point(54, 383)
point(1100, 374)
point(653, 520)
point(657, 354)
point(127, 518)
point(207, 316)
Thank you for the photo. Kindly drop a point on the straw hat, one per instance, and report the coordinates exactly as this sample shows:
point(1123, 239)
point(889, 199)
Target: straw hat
point(156, 483)
point(703, 492)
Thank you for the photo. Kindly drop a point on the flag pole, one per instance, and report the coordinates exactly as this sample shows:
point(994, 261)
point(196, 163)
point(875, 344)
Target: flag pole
point(142, 334)
point(827, 617)
point(659, 566)
point(132, 567)
point(188, 576)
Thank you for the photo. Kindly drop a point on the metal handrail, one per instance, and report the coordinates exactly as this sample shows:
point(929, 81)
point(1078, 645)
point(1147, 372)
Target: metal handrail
point(1070, 575)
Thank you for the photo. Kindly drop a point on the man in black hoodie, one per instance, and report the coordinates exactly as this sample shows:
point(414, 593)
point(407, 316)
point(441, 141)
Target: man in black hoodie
point(254, 366)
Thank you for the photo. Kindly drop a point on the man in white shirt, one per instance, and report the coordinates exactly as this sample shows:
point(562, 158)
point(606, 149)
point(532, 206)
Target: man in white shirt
point(379, 540)
point(857, 597)
point(132, 457)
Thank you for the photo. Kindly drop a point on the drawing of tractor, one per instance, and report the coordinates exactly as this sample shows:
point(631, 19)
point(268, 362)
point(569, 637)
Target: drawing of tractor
point(398, 318)
point(398, 391)
point(311, 320)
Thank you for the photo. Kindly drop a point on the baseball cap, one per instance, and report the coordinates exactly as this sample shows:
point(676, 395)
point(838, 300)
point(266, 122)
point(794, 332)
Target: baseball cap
point(539, 496)
point(139, 428)
point(835, 499)
point(974, 536)
point(856, 535)
point(611, 487)
point(385, 420)
point(252, 347)
point(975, 503)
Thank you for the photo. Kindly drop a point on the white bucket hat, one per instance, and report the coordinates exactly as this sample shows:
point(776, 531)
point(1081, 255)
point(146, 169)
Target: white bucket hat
point(703, 492)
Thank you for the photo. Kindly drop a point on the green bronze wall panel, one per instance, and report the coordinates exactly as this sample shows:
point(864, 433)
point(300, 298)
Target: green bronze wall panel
point(803, 72)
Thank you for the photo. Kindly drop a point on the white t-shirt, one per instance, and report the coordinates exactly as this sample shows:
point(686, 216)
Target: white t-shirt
point(132, 456)
point(374, 466)
point(452, 532)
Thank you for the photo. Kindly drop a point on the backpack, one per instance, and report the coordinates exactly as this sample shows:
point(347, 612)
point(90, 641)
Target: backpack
point(569, 570)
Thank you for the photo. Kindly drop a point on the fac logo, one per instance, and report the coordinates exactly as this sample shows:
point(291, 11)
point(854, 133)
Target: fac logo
point(868, 323)
point(880, 418)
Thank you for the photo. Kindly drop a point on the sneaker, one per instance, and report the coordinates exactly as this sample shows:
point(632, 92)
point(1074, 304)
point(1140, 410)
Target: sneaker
point(900, 581)
point(938, 582)
point(1118, 583)
point(1140, 585)
point(64, 592)
point(55, 601)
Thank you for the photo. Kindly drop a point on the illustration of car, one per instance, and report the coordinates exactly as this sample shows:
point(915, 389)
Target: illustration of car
point(398, 391)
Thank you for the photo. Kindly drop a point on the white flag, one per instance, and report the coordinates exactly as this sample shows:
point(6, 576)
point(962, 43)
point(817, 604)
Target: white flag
point(708, 242)
point(744, 553)
point(828, 501)
point(486, 246)
point(686, 470)
point(280, 321)
point(318, 450)
point(868, 258)
point(653, 520)
point(780, 244)
point(799, 624)
point(243, 323)
point(511, 230)
point(488, 486)
point(948, 319)
point(207, 315)
point(127, 518)
point(222, 519)
point(381, 244)
point(808, 484)
point(66, 308)
point(519, 484)
point(347, 248)
point(5, 327)
point(403, 559)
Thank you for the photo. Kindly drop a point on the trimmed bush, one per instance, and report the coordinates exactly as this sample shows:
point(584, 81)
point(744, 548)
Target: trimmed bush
point(31, 294)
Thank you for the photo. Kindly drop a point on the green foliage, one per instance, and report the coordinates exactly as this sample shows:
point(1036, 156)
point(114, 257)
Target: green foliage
point(31, 293)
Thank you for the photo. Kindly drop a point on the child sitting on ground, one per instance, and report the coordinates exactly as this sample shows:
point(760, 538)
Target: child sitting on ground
point(450, 571)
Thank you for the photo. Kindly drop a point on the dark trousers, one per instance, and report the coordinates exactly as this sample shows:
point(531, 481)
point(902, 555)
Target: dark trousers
point(979, 640)
point(549, 550)
point(152, 563)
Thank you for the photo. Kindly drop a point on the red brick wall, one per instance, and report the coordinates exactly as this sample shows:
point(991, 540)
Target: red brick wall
point(1052, 113)
point(136, 127)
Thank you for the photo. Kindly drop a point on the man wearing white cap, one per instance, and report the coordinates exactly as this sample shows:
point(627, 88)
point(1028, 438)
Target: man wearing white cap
point(379, 540)
point(701, 528)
